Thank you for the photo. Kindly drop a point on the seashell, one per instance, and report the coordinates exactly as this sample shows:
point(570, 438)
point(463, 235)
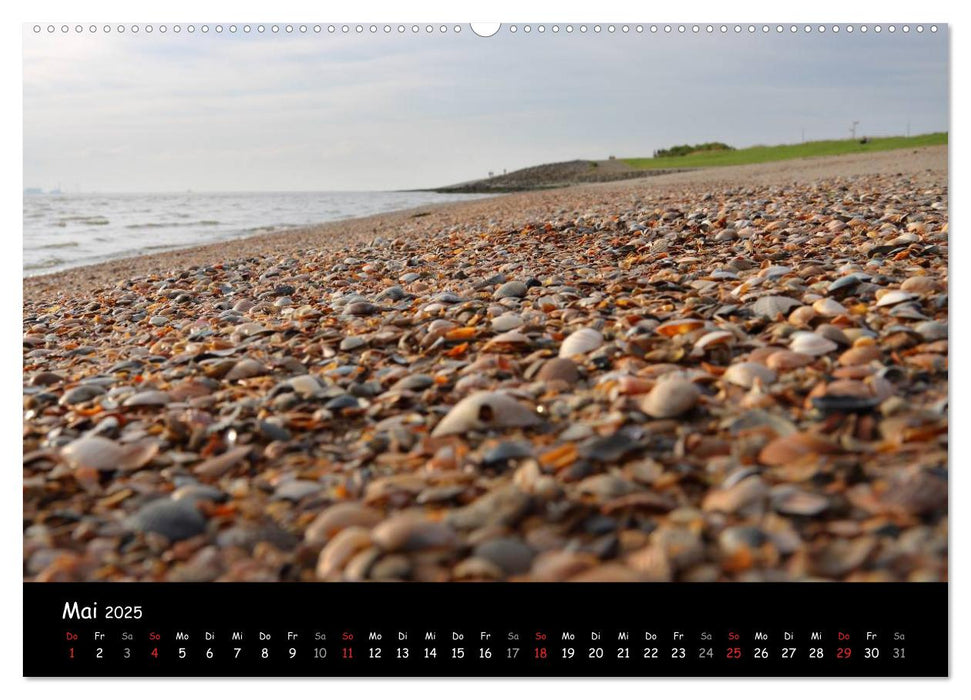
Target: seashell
point(147, 398)
point(860, 355)
point(931, 330)
point(793, 501)
point(339, 517)
point(80, 394)
point(340, 550)
point(774, 271)
point(506, 322)
point(408, 532)
point(679, 326)
point(894, 296)
point(413, 382)
point(748, 492)
point(305, 386)
point(670, 398)
point(745, 374)
point(712, 339)
point(560, 565)
point(199, 492)
point(606, 486)
point(348, 344)
point(504, 452)
point(507, 342)
point(772, 306)
point(844, 284)
point(101, 454)
point(485, 410)
point(802, 316)
point(361, 308)
point(245, 369)
point(787, 359)
point(834, 333)
point(297, 489)
point(811, 344)
point(791, 448)
point(922, 284)
point(828, 307)
point(559, 369)
point(581, 342)
point(220, 464)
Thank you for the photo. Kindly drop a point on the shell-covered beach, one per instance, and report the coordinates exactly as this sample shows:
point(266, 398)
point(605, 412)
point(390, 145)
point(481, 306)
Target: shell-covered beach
point(736, 374)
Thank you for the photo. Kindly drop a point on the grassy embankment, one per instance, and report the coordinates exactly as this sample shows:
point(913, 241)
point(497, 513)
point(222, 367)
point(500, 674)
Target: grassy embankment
point(764, 154)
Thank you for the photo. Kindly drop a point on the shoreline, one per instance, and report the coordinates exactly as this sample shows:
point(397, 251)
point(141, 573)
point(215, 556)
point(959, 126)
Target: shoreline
point(530, 205)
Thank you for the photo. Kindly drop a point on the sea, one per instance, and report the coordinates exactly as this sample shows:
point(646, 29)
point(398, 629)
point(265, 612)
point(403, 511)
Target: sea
point(70, 230)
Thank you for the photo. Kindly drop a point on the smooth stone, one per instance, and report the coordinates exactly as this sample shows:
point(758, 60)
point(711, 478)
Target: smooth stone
point(175, 520)
point(510, 554)
point(559, 369)
point(513, 288)
point(80, 394)
point(297, 489)
point(407, 532)
point(147, 398)
point(338, 517)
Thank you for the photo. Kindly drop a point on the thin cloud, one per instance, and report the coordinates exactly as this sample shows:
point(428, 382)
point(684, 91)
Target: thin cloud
point(321, 112)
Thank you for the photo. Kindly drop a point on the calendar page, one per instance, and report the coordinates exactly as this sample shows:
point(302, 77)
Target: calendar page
point(468, 349)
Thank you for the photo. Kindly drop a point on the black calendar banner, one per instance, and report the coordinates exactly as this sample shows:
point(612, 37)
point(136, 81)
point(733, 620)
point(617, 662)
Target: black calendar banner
point(348, 630)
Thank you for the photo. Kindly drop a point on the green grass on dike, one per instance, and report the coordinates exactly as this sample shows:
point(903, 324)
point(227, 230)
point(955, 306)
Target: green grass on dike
point(764, 154)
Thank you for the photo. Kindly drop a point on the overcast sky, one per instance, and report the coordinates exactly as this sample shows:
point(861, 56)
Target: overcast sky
point(154, 112)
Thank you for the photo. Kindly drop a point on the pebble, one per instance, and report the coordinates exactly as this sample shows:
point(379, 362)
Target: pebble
point(173, 519)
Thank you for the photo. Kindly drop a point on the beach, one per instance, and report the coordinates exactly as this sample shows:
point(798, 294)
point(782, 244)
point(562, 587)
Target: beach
point(731, 374)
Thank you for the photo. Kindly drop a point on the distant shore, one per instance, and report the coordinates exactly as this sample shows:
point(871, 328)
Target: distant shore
point(575, 172)
point(508, 210)
point(555, 175)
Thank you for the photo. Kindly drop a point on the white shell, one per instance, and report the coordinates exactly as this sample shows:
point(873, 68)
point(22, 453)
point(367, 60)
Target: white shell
point(895, 297)
point(506, 339)
point(713, 338)
point(811, 344)
point(305, 385)
point(670, 398)
point(102, 454)
point(771, 306)
point(828, 307)
point(506, 322)
point(745, 374)
point(482, 410)
point(581, 342)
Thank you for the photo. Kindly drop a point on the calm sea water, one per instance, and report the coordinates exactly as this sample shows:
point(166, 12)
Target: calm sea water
point(69, 230)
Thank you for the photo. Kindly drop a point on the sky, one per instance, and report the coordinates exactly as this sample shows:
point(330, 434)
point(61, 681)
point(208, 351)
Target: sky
point(313, 112)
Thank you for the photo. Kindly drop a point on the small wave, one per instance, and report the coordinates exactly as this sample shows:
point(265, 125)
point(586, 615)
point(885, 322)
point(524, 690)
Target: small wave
point(159, 224)
point(44, 264)
point(65, 244)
